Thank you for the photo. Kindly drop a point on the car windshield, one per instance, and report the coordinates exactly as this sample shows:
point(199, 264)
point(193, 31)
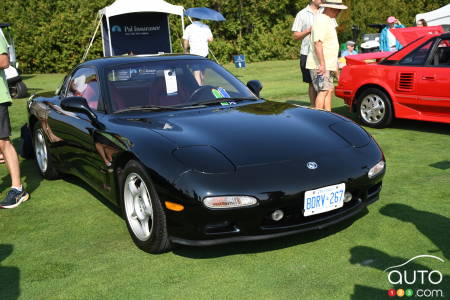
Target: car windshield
point(175, 83)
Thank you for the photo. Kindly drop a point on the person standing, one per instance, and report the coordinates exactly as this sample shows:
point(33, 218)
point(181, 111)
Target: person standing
point(17, 193)
point(196, 38)
point(388, 42)
point(323, 55)
point(302, 30)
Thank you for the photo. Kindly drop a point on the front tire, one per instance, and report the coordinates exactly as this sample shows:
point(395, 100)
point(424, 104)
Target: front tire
point(143, 210)
point(375, 108)
point(43, 157)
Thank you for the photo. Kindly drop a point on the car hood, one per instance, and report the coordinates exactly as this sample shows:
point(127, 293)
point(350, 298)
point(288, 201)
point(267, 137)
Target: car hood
point(258, 133)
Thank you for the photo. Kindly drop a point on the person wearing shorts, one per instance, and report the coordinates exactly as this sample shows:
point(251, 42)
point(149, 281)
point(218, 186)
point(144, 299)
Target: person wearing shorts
point(17, 193)
point(322, 58)
point(301, 31)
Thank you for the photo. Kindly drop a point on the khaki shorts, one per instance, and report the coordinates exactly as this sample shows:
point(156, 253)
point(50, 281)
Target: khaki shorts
point(328, 80)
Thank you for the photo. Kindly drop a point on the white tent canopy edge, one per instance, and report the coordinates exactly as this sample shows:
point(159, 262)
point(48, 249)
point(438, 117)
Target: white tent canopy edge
point(440, 16)
point(120, 7)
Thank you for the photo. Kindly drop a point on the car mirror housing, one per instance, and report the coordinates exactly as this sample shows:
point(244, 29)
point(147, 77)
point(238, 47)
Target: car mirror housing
point(80, 105)
point(255, 86)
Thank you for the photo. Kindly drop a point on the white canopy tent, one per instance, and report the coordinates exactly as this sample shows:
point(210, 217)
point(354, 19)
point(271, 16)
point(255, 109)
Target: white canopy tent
point(120, 7)
point(440, 16)
point(138, 26)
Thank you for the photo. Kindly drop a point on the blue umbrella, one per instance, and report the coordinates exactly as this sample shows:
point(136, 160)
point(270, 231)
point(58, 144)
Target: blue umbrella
point(204, 13)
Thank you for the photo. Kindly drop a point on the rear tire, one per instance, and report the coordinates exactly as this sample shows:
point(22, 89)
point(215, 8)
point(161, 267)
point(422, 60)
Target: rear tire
point(375, 108)
point(43, 157)
point(18, 90)
point(143, 210)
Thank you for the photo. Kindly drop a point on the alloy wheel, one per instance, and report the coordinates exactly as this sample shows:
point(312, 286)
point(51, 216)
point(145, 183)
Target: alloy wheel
point(138, 206)
point(40, 149)
point(372, 109)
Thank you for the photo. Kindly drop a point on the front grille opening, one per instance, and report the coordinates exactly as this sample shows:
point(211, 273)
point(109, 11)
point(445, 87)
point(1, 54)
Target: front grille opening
point(293, 215)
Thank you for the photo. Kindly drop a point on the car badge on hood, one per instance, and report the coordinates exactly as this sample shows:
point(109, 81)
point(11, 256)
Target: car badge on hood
point(312, 165)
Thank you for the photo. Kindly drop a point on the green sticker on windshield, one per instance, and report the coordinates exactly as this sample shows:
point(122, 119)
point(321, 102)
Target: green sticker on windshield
point(216, 93)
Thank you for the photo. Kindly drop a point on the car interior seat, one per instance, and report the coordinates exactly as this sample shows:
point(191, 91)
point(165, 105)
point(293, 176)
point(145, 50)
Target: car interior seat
point(158, 90)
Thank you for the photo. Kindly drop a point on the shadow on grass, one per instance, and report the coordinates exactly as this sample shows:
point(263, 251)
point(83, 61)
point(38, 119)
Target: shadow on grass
point(26, 77)
point(78, 182)
point(427, 127)
point(264, 245)
point(373, 258)
point(9, 276)
point(433, 226)
point(29, 174)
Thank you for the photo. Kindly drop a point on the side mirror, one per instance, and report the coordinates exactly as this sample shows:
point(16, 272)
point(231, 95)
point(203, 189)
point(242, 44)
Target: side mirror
point(255, 86)
point(80, 105)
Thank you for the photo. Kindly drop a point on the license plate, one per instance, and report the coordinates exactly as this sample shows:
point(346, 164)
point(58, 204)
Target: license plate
point(324, 199)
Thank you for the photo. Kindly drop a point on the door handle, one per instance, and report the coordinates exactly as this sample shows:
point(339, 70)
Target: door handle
point(428, 78)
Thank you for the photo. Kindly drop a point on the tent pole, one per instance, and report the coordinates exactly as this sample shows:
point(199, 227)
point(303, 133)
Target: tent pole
point(92, 39)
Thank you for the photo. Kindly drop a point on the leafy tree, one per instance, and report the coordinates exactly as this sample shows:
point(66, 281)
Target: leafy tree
point(51, 35)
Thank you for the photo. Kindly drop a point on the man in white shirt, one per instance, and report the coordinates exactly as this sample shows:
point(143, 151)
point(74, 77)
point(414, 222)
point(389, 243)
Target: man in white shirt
point(196, 38)
point(323, 56)
point(302, 29)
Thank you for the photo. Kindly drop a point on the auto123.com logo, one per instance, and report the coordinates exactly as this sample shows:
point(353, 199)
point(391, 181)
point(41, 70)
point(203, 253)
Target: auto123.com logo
point(418, 283)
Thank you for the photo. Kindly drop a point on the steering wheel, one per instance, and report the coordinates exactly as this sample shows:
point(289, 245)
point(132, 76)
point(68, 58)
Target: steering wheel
point(203, 91)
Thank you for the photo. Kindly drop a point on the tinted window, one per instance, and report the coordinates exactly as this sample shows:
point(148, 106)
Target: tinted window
point(419, 56)
point(441, 56)
point(84, 83)
point(171, 83)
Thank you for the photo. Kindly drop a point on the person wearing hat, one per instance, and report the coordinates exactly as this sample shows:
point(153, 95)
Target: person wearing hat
point(388, 42)
point(322, 58)
point(302, 32)
point(350, 49)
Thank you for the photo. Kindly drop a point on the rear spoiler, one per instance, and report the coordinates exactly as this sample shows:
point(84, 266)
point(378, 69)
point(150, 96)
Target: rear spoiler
point(365, 58)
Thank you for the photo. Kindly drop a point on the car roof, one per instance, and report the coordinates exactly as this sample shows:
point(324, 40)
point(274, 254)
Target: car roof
point(117, 60)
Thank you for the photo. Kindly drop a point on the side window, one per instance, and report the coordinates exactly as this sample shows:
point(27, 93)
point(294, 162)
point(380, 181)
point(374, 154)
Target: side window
point(84, 83)
point(441, 56)
point(419, 56)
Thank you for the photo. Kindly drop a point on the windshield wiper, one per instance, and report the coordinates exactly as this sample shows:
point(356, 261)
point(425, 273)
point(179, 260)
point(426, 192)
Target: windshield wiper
point(148, 107)
point(222, 100)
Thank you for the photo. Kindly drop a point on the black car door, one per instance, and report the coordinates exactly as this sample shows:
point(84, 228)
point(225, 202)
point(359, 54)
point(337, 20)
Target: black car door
point(75, 133)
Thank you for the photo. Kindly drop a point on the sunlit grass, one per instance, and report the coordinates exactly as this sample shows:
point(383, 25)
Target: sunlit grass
point(67, 243)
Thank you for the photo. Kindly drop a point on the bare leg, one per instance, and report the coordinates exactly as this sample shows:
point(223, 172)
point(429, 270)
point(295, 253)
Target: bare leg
point(320, 100)
point(12, 161)
point(327, 105)
point(199, 77)
point(109, 151)
point(48, 130)
point(312, 95)
point(101, 151)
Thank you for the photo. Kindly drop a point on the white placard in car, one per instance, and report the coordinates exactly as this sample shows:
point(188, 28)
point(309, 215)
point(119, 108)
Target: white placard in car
point(171, 82)
point(324, 199)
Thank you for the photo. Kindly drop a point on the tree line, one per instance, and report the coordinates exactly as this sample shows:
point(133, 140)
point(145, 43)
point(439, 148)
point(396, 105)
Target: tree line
point(51, 35)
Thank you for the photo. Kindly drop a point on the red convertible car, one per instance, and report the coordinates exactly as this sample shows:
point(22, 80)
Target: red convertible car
point(412, 83)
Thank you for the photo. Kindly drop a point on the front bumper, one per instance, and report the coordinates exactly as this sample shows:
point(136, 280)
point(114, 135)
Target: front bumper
point(251, 224)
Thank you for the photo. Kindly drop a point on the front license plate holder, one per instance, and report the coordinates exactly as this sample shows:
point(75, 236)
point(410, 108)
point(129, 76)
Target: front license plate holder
point(323, 199)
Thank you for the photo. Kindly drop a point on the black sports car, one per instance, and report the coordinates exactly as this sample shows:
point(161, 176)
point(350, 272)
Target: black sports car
point(193, 156)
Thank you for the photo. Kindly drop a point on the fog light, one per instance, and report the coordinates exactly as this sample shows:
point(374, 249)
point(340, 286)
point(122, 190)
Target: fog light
point(224, 202)
point(277, 215)
point(377, 169)
point(347, 197)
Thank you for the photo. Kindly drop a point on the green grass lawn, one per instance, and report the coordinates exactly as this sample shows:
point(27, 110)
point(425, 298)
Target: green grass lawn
point(67, 242)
